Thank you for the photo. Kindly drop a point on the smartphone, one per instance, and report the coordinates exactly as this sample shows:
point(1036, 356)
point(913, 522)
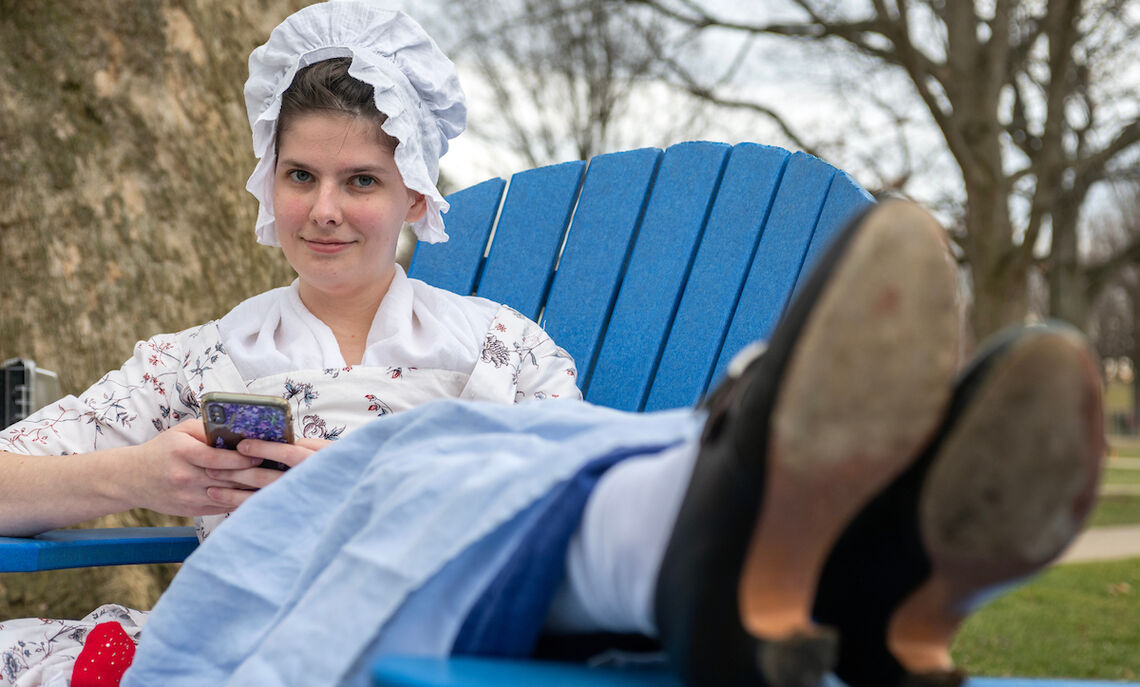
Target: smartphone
point(229, 418)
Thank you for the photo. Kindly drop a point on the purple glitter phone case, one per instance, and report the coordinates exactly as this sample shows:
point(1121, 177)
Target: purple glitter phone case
point(229, 418)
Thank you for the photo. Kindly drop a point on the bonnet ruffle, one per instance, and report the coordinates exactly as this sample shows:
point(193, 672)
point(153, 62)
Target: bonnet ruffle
point(415, 85)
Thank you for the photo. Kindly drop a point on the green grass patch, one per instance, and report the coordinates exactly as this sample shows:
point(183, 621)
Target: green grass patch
point(1121, 476)
point(1116, 510)
point(1074, 621)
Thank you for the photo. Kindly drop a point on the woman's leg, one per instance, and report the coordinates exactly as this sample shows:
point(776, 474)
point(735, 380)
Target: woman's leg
point(613, 558)
point(983, 496)
point(854, 381)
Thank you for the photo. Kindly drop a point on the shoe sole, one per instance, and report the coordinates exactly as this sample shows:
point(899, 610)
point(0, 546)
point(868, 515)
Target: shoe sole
point(1009, 488)
point(865, 387)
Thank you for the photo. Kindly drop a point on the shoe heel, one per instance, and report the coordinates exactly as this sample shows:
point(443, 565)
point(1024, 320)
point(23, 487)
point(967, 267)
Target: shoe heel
point(798, 661)
point(1009, 488)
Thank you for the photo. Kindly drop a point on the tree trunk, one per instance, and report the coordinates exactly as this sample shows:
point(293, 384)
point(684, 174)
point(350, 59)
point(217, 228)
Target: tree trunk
point(126, 149)
point(1069, 297)
point(1001, 298)
point(998, 271)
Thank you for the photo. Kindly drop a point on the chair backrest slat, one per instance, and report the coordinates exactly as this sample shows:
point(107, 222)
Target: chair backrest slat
point(455, 264)
point(846, 200)
point(654, 268)
point(530, 231)
point(796, 212)
point(787, 233)
point(662, 255)
point(723, 259)
point(609, 212)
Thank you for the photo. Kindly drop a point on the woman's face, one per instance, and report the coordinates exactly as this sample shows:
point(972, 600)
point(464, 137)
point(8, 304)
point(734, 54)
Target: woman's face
point(339, 204)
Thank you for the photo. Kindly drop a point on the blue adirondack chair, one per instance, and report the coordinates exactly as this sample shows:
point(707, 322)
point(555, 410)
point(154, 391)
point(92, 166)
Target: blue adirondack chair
point(652, 268)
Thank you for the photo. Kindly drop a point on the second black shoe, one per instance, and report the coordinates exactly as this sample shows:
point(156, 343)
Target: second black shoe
point(1002, 489)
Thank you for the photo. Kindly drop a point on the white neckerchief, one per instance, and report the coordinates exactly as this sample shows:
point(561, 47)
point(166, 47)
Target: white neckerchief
point(416, 325)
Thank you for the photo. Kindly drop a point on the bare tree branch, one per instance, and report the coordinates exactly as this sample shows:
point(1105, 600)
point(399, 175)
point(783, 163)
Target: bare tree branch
point(1049, 164)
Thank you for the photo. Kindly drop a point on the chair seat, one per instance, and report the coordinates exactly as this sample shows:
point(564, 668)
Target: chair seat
point(416, 671)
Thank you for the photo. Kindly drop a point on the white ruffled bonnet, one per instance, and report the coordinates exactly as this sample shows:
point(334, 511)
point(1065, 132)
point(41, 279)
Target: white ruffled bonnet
point(415, 85)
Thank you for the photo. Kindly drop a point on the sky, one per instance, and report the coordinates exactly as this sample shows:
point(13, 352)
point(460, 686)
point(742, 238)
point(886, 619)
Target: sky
point(801, 82)
point(805, 84)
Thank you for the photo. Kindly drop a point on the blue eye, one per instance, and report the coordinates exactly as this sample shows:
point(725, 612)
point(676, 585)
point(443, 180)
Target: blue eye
point(300, 176)
point(363, 181)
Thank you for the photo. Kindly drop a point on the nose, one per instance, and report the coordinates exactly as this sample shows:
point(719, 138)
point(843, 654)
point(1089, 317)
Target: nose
point(326, 210)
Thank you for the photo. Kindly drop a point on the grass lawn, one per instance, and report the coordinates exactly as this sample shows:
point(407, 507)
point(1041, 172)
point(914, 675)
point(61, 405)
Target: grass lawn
point(1121, 476)
point(1073, 621)
point(1116, 510)
point(1119, 510)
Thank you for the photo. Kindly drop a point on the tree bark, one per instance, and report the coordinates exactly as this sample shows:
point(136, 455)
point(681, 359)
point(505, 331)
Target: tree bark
point(1069, 292)
point(126, 149)
point(998, 270)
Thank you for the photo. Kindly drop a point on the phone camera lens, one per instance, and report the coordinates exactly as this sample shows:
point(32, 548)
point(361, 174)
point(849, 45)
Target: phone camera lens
point(217, 414)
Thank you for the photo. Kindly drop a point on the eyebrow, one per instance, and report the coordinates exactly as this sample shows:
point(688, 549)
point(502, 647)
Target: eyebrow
point(376, 170)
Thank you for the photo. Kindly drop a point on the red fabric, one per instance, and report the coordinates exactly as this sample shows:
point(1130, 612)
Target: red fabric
point(106, 655)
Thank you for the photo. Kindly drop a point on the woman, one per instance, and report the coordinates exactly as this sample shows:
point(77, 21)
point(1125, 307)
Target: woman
point(464, 527)
point(338, 230)
point(350, 340)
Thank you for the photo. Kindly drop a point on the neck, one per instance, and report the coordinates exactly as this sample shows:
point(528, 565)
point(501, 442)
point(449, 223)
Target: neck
point(348, 315)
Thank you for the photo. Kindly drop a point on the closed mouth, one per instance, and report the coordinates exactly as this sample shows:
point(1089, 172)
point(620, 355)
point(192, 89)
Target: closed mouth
point(327, 245)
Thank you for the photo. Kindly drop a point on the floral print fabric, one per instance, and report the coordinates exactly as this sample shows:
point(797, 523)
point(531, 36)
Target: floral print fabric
point(160, 386)
point(41, 652)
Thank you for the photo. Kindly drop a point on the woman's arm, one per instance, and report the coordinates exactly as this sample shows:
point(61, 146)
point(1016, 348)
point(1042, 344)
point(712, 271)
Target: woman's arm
point(39, 493)
point(125, 442)
point(176, 473)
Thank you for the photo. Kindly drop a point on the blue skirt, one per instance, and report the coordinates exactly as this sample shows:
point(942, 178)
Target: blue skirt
point(435, 531)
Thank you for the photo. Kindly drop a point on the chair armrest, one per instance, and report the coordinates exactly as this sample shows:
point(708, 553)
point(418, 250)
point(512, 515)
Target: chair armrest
point(95, 547)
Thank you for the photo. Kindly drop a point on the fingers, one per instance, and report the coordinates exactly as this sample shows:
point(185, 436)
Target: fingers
point(226, 499)
point(193, 427)
point(223, 459)
point(313, 444)
point(289, 454)
point(249, 478)
point(200, 454)
point(201, 480)
point(243, 472)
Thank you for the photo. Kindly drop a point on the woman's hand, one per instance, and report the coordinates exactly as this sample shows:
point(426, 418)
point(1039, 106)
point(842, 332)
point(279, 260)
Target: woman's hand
point(288, 454)
point(181, 474)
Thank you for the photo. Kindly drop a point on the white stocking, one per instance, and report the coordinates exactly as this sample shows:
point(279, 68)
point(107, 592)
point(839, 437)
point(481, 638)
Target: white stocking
point(614, 556)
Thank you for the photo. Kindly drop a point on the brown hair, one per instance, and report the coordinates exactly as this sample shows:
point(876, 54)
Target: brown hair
point(325, 86)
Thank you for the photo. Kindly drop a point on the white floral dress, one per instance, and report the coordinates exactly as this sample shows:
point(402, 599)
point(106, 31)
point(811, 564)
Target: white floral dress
point(159, 386)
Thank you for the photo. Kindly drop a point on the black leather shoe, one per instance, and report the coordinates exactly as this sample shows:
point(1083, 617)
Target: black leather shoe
point(1002, 489)
point(853, 383)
